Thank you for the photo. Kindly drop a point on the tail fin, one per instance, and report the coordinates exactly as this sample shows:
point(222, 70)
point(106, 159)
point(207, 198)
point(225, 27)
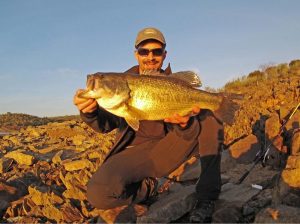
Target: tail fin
point(228, 108)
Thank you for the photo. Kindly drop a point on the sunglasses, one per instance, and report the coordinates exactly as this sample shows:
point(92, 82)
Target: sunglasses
point(155, 52)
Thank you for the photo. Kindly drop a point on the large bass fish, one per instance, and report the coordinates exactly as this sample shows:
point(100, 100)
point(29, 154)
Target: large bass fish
point(149, 97)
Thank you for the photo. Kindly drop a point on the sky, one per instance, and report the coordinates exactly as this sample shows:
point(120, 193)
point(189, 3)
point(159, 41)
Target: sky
point(48, 47)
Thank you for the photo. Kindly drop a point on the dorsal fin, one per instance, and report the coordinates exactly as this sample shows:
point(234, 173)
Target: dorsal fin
point(189, 77)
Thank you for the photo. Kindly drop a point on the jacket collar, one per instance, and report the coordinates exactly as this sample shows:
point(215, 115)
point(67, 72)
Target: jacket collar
point(135, 70)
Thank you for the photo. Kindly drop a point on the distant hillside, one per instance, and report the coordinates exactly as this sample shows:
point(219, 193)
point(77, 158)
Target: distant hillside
point(276, 89)
point(15, 121)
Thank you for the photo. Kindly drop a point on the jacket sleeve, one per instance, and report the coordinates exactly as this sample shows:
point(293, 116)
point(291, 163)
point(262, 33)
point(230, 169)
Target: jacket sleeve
point(101, 120)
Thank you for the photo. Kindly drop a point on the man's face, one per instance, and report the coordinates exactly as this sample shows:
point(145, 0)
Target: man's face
point(150, 57)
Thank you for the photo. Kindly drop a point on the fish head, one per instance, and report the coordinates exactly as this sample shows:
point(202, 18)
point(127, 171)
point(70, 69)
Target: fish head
point(109, 90)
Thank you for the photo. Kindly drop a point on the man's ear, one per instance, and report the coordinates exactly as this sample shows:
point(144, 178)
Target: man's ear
point(165, 55)
point(136, 55)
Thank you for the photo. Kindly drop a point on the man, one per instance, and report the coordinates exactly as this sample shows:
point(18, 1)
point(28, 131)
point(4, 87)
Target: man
point(129, 172)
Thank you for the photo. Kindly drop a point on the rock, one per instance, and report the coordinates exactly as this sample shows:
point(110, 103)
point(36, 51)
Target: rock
point(7, 193)
point(292, 199)
point(3, 206)
point(230, 206)
point(253, 206)
point(42, 197)
point(294, 122)
point(227, 213)
point(56, 159)
point(272, 126)
point(70, 213)
point(122, 214)
point(75, 193)
point(295, 144)
point(95, 155)
point(291, 174)
point(20, 157)
point(280, 214)
point(52, 213)
point(78, 165)
point(239, 194)
point(78, 139)
point(5, 164)
point(190, 170)
point(227, 161)
point(33, 132)
point(14, 140)
point(292, 177)
point(293, 162)
point(170, 207)
point(283, 112)
point(224, 179)
point(244, 150)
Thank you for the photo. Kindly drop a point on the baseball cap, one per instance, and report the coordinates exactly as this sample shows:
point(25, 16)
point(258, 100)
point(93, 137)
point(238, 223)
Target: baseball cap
point(149, 33)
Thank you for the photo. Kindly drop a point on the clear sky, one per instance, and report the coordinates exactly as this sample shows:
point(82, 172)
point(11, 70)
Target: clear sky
point(48, 47)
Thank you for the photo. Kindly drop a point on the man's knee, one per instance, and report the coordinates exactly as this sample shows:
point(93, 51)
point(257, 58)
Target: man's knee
point(104, 189)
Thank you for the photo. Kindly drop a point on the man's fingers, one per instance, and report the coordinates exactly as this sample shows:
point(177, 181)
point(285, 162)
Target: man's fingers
point(77, 99)
point(85, 104)
point(177, 119)
point(196, 110)
point(182, 119)
point(90, 108)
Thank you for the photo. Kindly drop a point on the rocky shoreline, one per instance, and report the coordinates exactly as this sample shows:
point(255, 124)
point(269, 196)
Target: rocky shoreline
point(44, 169)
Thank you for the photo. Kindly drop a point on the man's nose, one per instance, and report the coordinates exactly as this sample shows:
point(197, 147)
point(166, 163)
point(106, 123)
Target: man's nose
point(150, 56)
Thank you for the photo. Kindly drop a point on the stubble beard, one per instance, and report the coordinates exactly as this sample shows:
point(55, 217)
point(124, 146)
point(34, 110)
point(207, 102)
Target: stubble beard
point(155, 71)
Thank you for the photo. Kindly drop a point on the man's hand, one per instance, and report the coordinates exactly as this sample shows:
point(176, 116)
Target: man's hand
point(84, 105)
point(182, 120)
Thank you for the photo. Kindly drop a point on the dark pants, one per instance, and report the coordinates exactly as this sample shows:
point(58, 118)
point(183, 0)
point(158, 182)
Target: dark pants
point(121, 179)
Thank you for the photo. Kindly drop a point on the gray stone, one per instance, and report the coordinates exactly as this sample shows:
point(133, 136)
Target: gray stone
point(248, 210)
point(292, 199)
point(232, 198)
point(226, 213)
point(192, 172)
point(286, 214)
point(261, 200)
point(227, 161)
point(172, 206)
point(239, 194)
point(259, 175)
point(224, 179)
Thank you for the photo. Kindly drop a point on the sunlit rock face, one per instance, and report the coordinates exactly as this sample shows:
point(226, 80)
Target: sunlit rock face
point(291, 174)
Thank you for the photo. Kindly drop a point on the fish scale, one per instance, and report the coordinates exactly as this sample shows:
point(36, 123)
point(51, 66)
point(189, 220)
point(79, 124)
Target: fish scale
point(146, 97)
point(164, 97)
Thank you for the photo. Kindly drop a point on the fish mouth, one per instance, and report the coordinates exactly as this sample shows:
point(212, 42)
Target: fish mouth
point(87, 94)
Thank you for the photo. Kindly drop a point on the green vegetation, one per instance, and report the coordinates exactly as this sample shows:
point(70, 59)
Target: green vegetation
point(268, 73)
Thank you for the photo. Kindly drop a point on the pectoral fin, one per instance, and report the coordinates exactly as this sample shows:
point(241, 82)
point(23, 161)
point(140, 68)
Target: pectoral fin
point(134, 123)
point(132, 116)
